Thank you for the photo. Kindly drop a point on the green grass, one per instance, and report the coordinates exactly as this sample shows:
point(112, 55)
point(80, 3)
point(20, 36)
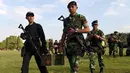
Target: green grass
point(10, 62)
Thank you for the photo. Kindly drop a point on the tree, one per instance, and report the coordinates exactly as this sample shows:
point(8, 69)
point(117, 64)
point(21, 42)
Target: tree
point(11, 43)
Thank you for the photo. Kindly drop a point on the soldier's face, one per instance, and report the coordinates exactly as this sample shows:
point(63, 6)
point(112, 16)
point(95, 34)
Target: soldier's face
point(95, 26)
point(30, 19)
point(72, 9)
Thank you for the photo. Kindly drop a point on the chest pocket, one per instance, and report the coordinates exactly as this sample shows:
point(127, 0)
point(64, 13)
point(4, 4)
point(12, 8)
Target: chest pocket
point(75, 22)
point(78, 22)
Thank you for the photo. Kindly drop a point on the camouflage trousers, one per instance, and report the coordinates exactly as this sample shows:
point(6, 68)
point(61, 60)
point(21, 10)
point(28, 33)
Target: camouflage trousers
point(92, 57)
point(114, 49)
point(74, 63)
point(73, 52)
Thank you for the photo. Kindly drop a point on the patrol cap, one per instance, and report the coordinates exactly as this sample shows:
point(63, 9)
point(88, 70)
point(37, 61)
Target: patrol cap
point(29, 14)
point(72, 3)
point(95, 22)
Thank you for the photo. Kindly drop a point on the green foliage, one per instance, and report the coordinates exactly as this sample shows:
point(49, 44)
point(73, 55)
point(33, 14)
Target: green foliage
point(11, 43)
point(2, 45)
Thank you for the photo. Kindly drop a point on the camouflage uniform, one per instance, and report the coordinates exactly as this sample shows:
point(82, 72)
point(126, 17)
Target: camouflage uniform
point(73, 48)
point(51, 46)
point(120, 44)
point(110, 42)
point(115, 39)
point(97, 49)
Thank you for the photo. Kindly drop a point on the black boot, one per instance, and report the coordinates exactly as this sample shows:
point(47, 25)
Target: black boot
point(92, 70)
point(101, 70)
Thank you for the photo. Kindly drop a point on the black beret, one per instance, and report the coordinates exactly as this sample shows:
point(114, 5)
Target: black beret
point(94, 22)
point(29, 14)
point(72, 3)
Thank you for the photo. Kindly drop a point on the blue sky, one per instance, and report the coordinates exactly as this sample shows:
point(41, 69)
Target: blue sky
point(112, 15)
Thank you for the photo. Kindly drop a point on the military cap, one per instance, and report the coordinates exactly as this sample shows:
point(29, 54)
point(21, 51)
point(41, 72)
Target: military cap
point(95, 22)
point(72, 3)
point(29, 14)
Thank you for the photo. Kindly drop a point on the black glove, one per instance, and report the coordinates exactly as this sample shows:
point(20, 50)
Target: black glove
point(23, 36)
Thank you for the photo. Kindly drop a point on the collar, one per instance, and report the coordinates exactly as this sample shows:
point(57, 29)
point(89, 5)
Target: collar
point(32, 23)
point(73, 15)
point(96, 30)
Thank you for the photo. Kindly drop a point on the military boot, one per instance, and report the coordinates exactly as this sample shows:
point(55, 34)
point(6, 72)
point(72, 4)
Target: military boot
point(101, 70)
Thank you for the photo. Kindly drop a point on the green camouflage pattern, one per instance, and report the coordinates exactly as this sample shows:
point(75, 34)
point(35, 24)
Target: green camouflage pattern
point(74, 62)
point(98, 53)
point(73, 48)
point(76, 21)
point(114, 45)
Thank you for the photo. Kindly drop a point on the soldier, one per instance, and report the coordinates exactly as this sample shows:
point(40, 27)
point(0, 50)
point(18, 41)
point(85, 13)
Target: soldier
point(37, 33)
point(128, 49)
point(110, 43)
point(120, 44)
point(56, 45)
point(72, 29)
point(115, 43)
point(51, 46)
point(96, 36)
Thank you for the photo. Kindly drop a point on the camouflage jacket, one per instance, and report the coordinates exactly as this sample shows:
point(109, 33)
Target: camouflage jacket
point(95, 41)
point(115, 38)
point(76, 21)
point(72, 43)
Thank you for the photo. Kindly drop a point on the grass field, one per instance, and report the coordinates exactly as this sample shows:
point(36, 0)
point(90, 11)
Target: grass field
point(10, 62)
